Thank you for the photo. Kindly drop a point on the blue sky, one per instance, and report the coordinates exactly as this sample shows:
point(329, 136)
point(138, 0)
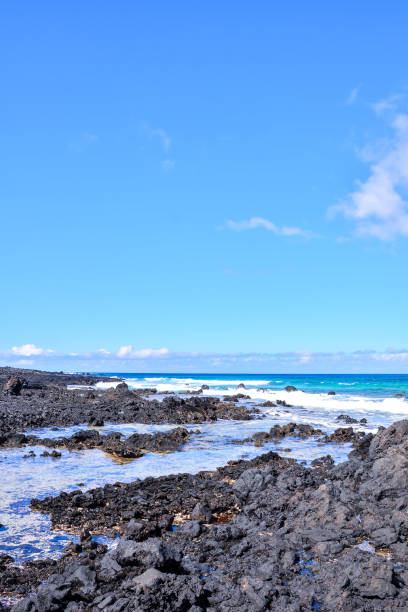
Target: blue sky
point(204, 186)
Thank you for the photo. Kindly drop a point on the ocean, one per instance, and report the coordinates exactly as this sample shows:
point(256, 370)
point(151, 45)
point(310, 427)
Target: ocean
point(28, 535)
point(365, 385)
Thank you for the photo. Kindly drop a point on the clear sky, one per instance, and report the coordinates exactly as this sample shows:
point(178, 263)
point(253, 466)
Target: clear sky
point(204, 185)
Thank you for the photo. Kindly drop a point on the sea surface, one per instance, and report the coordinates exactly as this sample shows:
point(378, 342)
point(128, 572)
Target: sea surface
point(363, 385)
point(26, 535)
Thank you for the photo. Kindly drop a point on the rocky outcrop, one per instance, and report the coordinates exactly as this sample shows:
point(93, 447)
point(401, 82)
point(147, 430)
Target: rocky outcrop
point(13, 386)
point(113, 443)
point(263, 535)
point(54, 405)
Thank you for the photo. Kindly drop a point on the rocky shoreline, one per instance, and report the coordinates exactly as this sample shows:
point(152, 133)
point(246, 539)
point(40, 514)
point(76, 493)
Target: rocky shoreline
point(52, 404)
point(262, 534)
point(128, 448)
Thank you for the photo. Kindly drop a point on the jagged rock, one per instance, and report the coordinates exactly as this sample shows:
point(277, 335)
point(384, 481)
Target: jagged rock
point(13, 386)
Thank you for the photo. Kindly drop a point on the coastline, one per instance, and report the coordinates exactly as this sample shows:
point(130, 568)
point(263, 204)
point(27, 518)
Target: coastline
point(256, 534)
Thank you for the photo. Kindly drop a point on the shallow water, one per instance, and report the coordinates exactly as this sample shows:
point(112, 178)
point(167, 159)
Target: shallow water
point(27, 535)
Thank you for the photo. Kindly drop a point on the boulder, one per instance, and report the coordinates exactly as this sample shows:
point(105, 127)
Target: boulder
point(13, 386)
point(201, 512)
point(122, 388)
point(95, 422)
point(149, 578)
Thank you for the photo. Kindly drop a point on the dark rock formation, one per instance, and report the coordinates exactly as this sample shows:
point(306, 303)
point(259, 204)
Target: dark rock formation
point(13, 386)
point(55, 405)
point(270, 535)
point(114, 444)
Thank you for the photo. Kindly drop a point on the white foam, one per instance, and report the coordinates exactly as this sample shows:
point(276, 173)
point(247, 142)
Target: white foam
point(322, 401)
point(107, 385)
point(188, 384)
point(393, 405)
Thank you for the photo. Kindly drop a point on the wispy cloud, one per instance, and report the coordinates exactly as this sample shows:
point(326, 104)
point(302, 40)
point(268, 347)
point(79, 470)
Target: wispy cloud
point(390, 103)
point(165, 141)
point(158, 134)
point(351, 98)
point(378, 205)
point(162, 359)
point(164, 138)
point(260, 222)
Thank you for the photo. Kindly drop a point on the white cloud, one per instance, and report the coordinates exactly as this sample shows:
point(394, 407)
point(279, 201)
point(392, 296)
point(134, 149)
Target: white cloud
point(260, 222)
point(387, 104)
point(124, 351)
point(305, 356)
point(129, 353)
point(391, 356)
point(252, 223)
point(142, 353)
point(28, 350)
point(351, 98)
point(127, 358)
point(378, 205)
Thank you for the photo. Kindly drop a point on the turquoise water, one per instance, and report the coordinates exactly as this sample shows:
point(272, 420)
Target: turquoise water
point(367, 385)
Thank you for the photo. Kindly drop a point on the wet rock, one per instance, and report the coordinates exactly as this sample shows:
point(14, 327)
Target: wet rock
point(130, 448)
point(327, 461)
point(331, 393)
point(346, 419)
point(342, 435)
point(236, 398)
point(95, 422)
point(54, 454)
point(278, 432)
point(290, 388)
